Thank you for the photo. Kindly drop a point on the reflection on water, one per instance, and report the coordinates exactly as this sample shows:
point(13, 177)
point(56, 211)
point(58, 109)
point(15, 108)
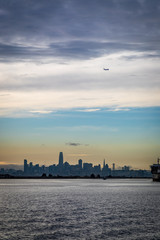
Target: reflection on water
point(79, 209)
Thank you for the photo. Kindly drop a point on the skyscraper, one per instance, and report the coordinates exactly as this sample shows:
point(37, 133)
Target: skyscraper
point(25, 166)
point(61, 159)
point(80, 163)
point(113, 166)
point(104, 164)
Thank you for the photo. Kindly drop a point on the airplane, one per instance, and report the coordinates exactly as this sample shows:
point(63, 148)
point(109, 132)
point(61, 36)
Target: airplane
point(106, 69)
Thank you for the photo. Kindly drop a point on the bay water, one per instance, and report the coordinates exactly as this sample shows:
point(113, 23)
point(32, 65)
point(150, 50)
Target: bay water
point(79, 209)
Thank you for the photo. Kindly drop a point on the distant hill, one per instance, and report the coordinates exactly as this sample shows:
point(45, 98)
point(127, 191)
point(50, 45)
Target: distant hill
point(11, 166)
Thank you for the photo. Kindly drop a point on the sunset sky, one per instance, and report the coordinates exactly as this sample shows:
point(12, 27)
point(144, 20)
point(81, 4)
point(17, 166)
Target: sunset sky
point(55, 94)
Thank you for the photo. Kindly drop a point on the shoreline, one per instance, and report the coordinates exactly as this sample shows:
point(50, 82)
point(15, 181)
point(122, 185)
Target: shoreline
point(7, 176)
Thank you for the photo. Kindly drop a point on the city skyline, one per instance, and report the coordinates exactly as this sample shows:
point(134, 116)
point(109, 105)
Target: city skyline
point(80, 169)
point(60, 161)
point(55, 91)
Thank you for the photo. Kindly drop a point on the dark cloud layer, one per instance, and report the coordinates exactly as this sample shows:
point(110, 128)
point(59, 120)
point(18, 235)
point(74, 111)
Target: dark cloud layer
point(77, 29)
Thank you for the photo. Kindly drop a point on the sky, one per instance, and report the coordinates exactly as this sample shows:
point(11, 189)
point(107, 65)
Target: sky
point(55, 94)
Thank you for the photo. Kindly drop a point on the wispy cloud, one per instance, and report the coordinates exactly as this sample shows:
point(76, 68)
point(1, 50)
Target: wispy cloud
point(118, 109)
point(41, 111)
point(89, 110)
point(76, 144)
point(18, 103)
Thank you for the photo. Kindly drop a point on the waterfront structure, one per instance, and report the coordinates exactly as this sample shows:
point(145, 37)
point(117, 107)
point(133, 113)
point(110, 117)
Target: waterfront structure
point(155, 170)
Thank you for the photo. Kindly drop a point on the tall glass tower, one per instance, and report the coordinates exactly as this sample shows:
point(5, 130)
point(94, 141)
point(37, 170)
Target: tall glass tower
point(80, 163)
point(25, 166)
point(61, 159)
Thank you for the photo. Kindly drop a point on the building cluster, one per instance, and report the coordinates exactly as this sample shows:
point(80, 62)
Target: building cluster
point(81, 169)
point(11, 172)
point(65, 169)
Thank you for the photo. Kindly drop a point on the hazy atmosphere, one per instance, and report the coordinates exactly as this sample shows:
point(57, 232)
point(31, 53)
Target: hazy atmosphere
point(56, 94)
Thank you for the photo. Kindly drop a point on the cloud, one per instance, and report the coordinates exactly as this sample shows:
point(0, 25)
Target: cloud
point(73, 144)
point(76, 144)
point(82, 75)
point(117, 109)
point(52, 55)
point(21, 102)
point(41, 111)
point(89, 110)
point(43, 145)
point(77, 29)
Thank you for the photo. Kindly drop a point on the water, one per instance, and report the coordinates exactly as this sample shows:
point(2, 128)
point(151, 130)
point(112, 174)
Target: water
point(79, 209)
